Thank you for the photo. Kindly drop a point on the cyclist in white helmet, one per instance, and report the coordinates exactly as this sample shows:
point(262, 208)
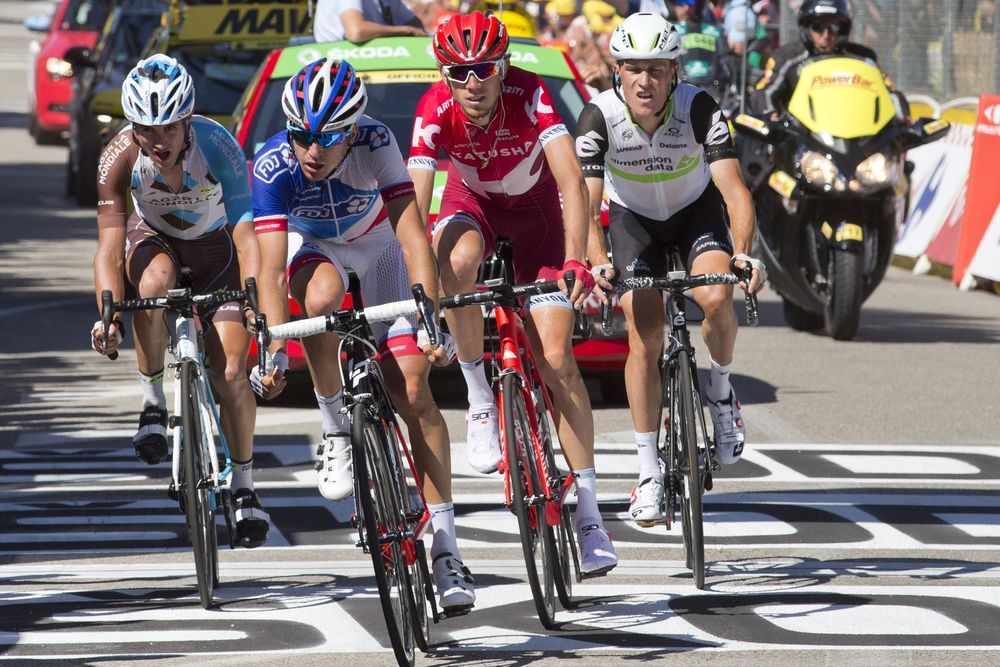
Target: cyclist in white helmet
point(190, 191)
point(662, 152)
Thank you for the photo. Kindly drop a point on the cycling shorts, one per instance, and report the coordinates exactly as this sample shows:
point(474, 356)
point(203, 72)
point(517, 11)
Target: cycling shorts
point(211, 258)
point(377, 260)
point(532, 222)
point(639, 244)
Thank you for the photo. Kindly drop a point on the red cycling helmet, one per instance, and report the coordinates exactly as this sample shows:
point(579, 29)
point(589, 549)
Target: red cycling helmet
point(470, 38)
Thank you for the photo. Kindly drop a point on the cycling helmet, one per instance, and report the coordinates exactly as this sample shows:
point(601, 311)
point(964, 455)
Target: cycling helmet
point(158, 91)
point(324, 96)
point(645, 36)
point(825, 11)
point(470, 38)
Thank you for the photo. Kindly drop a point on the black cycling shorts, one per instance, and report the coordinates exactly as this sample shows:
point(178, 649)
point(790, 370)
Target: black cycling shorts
point(639, 245)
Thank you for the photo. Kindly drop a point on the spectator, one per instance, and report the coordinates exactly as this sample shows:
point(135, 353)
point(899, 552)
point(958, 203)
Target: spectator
point(739, 22)
point(361, 20)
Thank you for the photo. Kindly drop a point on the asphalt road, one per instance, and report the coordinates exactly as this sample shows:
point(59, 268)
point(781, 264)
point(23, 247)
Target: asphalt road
point(861, 527)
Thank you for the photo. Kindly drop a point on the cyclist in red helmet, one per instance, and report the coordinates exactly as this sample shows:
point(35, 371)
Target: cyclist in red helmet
point(511, 157)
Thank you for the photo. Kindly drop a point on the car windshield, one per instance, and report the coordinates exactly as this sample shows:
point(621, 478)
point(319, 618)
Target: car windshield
point(394, 104)
point(124, 46)
point(86, 15)
point(220, 74)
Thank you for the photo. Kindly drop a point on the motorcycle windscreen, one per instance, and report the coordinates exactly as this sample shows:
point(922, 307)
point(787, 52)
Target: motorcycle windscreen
point(845, 98)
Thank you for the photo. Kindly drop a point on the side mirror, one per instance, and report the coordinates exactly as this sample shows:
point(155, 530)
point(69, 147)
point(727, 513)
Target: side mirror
point(38, 23)
point(925, 131)
point(756, 127)
point(79, 57)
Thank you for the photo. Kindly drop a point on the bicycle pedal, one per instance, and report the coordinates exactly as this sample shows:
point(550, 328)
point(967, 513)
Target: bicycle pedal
point(595, 574)
point(708, 482)
point(455, 612)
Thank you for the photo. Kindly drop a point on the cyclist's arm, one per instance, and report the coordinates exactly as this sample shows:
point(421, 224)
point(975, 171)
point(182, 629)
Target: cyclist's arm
point(412, 235)
point(591, 147)
point(272, 192)
point(226, 162)
point(569, 176)
point(112, 215)
point(423, 189)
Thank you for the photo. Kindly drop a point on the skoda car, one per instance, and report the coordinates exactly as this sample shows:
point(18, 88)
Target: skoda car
point(397, 72)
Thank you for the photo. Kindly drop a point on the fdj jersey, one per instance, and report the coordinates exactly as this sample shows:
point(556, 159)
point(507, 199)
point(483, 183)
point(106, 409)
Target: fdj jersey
point(214, 189)
point(345, 205)
point(654, 176)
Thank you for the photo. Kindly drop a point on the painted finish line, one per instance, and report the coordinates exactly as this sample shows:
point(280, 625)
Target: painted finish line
point(304, 608)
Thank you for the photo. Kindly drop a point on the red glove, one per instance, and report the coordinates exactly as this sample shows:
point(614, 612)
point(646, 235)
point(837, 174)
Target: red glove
point(580, 273)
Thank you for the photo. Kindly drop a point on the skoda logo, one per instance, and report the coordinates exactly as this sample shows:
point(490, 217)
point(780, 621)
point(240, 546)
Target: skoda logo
point(992, 114)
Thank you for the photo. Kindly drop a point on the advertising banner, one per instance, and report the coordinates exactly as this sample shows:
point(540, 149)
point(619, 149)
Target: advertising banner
point(986, 262)
point(983, 196)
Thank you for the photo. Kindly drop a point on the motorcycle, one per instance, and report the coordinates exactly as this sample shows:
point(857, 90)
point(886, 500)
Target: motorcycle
point(830, 199)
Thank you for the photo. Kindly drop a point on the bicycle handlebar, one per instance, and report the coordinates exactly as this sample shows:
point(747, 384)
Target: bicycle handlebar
point(502, 294)
point(338, 319)
point(679, 281)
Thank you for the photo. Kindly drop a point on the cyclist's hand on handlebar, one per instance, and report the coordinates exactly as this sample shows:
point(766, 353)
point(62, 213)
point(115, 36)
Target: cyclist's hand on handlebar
point(603, 275)
point(758, 272)
point(583, 282)
point(272, 382)
point(115, 335)
point(443, 354)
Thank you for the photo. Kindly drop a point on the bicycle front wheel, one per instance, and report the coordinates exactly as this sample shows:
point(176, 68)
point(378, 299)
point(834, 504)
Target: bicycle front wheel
point(383, 525)
point(198, 485)
point(527, 498)
point(693, 487)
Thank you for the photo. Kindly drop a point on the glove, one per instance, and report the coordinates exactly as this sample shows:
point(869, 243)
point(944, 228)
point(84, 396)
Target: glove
point(445, 341)
point(580, 273)
point(754, 264)
point(278, 361)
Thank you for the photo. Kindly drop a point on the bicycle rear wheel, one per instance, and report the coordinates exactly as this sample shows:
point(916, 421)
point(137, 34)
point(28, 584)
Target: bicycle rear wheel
point(693, 486)
point(198, 486)
point(525, 489)
point(383, 525)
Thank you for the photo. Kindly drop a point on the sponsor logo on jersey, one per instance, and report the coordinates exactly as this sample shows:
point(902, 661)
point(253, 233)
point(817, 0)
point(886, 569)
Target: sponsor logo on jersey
point(551, 133)
point(425, 134)
point(374, 136)
point(719, 132)
point(587, 144)
point(268, 166)
point(626, 149)
point(536, 106)
point(228, 148)
point(627, 133)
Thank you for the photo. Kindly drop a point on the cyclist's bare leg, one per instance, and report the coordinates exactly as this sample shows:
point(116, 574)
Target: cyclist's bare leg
point(153, 272)
point(644, 314)
point(406, 381)
point(550, 330)
point(716, 301)
point(319, 289)
point(227, 344)
point(459, 249)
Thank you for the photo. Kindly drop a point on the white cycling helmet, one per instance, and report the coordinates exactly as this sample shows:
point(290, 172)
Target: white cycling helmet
point(158, 91)
point(645, 36)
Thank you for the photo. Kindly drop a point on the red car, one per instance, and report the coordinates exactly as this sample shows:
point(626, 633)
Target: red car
point(74, 23)
point(397, 71)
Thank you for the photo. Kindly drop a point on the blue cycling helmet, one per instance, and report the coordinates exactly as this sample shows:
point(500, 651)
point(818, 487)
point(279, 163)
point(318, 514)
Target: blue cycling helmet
point(158, 91)
point(324, 96)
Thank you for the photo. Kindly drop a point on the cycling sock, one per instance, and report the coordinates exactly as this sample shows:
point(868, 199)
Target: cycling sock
point(649, 460)
point(329, 407)
point(718, 382)
point(587, 512)
point(443, 523)
point(152, 389)
point(474, 373)
point(242, 475)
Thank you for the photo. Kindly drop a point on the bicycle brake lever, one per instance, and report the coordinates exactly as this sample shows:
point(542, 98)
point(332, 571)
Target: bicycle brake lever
point(426, 309)
point(107, 312)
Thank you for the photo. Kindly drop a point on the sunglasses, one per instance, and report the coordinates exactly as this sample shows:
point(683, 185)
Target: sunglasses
point(483, 71)
point(306, 138)
point(820, 28)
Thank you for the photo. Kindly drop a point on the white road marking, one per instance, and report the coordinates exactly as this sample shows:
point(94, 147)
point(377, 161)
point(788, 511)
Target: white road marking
point(911, 464)
point(873, 619)
point(976, 525)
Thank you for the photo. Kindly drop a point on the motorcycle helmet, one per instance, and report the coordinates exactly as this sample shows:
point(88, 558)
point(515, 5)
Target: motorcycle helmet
point(324, 96)
point(158, 91)
point(470, 38)
point(645, 36)
point(824, 11)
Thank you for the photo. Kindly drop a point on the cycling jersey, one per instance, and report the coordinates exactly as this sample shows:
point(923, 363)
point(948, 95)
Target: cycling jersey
point(346, 204)
point(654, 176)
point(503, 160)
point(215, 190)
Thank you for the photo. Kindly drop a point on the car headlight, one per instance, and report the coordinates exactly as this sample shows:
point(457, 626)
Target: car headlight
point(877, 169)
point(57, 68)
point(818, 169)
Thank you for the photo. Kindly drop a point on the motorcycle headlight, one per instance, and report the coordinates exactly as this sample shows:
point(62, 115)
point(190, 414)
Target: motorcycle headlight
point(818, 169)
point(57, 68)
point(877, 170)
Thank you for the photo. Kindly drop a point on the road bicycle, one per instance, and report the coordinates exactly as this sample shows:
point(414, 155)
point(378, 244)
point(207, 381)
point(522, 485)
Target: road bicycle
point(199, 473)
point(535, 489)
point(687, 455)
point(391, 515)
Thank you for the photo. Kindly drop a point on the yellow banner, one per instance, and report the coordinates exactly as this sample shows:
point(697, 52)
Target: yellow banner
point(240, 21)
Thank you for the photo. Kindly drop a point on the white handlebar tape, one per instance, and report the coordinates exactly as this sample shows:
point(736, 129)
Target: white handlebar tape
point(390, 311)
point(300, 328)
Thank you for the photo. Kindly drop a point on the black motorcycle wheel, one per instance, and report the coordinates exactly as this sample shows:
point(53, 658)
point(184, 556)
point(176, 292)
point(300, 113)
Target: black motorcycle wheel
point(801, 319)
point(843, 303)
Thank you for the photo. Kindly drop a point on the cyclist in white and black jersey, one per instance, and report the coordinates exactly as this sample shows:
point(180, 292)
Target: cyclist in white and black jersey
point(663, 154)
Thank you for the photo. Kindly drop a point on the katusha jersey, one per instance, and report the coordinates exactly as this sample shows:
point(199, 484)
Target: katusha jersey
point(347, 204)
point(215, 190)
point(653, 176)
point(503, 160)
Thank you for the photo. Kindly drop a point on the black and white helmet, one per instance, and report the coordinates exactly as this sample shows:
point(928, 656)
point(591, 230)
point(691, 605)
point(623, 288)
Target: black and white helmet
point(158, 91)
point(645, 36)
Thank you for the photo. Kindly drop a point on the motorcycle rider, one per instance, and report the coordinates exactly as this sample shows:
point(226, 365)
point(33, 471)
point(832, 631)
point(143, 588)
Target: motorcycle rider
point(824, 26)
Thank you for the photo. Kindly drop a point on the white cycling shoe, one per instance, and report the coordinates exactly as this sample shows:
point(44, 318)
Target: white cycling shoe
point(728, 430)
point(597, 554)
point(335, 468)
point(646, 505)
point(483, 438)
point(454, 584)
